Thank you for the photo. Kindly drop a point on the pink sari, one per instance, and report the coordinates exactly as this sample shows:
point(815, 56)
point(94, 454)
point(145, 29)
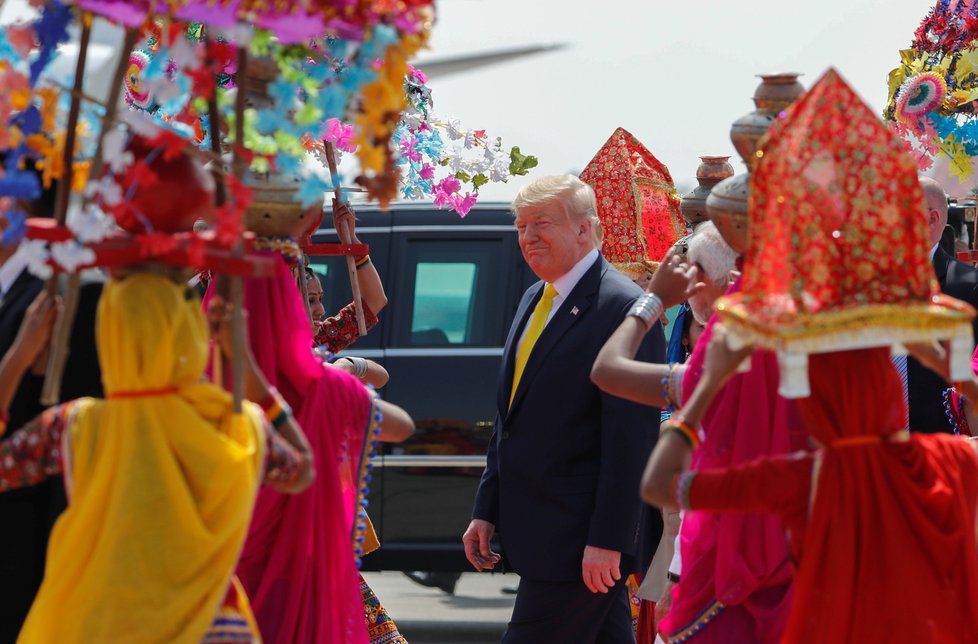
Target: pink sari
point(735, 584)
point(298, 564)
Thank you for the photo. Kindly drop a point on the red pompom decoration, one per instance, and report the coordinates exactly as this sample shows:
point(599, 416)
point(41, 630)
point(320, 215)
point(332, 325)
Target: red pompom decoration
point(165, 190)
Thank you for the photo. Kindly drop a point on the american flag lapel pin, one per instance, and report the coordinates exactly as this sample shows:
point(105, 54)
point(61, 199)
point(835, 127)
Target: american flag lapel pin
point(575, 311)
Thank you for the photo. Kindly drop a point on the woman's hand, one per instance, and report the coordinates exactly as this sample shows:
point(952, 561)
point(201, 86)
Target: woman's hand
point(35, 331)
point(674, 281)
point(932, 355)
point(721, 361)
point(219, 313)
point(345, 220)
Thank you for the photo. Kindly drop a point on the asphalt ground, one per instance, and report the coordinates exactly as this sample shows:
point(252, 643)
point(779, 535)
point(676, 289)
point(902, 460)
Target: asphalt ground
point(476, 614)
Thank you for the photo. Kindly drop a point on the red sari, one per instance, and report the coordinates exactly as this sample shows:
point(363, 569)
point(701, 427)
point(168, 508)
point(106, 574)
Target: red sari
point(886, 540)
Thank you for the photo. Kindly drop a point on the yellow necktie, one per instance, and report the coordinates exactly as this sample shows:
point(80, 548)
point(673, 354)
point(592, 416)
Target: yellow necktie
point(533, 331)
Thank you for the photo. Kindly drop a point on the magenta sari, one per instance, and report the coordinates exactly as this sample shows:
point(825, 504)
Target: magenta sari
point(736, 576)
point(298, 564)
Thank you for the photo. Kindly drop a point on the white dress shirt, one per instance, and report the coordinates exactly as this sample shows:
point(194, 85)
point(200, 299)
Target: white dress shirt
point(564, 285)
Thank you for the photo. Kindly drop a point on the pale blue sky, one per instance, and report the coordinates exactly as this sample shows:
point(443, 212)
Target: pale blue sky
point(675, 74)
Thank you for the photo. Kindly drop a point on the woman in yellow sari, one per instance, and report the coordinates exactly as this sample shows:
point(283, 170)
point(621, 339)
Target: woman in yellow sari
point(161, 475)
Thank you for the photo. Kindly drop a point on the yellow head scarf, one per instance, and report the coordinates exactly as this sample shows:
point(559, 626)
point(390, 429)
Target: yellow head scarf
point(162, 478)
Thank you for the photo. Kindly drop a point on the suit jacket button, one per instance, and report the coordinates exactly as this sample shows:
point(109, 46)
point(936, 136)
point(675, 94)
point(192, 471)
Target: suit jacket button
point(505, 434)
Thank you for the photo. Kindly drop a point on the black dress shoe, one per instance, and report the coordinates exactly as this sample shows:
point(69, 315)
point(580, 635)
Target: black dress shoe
point(444, 581)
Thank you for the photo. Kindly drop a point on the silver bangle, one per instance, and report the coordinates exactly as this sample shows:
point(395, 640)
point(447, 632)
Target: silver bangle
point(359, 366)
point(647, 308)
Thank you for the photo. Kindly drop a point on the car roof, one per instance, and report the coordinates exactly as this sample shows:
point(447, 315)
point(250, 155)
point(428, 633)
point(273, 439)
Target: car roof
point(414, 213)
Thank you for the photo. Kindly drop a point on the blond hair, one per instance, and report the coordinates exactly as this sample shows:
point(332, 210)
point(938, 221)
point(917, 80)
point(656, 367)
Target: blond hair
point(577, 198)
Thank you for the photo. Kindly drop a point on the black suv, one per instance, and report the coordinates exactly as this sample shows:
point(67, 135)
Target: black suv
point(453, 286)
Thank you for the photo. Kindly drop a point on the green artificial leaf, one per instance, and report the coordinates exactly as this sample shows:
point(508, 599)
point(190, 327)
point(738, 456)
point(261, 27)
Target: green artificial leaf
point(520, 164)
point(479, 180)
point(307, 115)
point(462, 176)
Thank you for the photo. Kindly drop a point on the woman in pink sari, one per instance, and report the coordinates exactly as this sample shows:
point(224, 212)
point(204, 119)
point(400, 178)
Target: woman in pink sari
point(299, 565)
point(736, 569)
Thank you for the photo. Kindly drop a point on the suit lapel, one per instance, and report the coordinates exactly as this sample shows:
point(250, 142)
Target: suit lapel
point(571, 310)
point(509, 358)
point(941, 262)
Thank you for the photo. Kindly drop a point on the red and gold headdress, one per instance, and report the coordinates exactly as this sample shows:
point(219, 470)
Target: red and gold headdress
point(838, 246)
point(637, 204)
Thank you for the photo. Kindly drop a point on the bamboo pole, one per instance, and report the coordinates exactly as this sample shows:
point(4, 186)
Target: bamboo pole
point(237, 283)
point(60, 343)
point(58, 356)
point(346, 236)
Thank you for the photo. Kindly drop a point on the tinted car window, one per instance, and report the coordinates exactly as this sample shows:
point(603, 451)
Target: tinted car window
point(443, 298)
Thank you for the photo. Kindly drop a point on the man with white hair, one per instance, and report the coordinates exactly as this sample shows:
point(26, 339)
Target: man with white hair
point(714, 259)
point(925, 389)
point(565, 459)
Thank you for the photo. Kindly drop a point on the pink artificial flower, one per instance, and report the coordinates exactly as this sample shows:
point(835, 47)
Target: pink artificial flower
point(427, 171)
point(442, 198)
point(449, 184)
point(417, 73)
point(340, 134)
point(21, 39)
point(407, 148)
point(462, 205)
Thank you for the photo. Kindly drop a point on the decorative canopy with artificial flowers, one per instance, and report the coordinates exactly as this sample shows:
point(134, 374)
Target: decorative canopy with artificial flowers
point(637, 204)
point(838, 254)
point(339, 76)
point(933, 92)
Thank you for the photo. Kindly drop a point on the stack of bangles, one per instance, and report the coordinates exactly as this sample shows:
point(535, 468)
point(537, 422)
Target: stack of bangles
point(684, 429)
point(359, 366)
point(277, 411)
point(361, 262)
point(648, 308)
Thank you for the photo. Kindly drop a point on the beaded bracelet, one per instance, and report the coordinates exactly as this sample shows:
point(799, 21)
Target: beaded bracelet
point(681, 488)
point(667, 385)
point(683, 429)
point(647, 308)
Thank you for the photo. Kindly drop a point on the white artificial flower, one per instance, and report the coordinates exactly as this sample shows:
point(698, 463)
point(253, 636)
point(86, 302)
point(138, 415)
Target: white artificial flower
point(91, 224)
point(454, 129)
point(114, 151)
point(35, 254)
point(141, 123)
point(456, 159)
point(70, 255)
point(499, 170)
point(184, 54)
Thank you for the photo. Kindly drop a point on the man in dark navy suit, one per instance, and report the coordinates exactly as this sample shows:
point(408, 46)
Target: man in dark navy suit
point(925, 388)
point(565, 460)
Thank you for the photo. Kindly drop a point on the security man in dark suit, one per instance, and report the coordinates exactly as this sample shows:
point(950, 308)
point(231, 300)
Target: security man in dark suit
point(27, 515)
point(565, 458)
point(957, 279)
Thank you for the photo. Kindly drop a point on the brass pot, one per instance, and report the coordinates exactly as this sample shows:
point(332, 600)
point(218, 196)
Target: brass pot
point(775, 93)
point(727, 208)
point(711, 171)
point(273, 213)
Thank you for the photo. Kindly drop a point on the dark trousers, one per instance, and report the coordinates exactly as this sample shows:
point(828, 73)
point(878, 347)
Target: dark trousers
point(556, 611)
